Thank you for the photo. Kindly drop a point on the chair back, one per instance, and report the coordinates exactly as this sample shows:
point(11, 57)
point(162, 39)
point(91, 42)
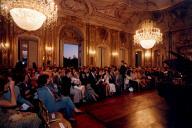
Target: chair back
point(44, 114)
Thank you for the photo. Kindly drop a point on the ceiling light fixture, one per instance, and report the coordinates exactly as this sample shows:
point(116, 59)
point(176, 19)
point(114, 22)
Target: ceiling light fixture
point(29, 14)
point(147, 35)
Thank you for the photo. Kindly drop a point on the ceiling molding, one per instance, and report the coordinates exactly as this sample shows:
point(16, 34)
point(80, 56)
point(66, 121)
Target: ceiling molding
point(117, 14)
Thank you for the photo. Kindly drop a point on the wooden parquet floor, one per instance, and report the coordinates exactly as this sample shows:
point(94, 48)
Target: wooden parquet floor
point(132, 110)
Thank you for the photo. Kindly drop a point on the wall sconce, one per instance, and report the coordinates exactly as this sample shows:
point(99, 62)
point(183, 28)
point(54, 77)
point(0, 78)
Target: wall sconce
point(114, 54)
point(4, 46)
point(147, 54)
point(43, 58)
point(49, 49)
point(92, 52)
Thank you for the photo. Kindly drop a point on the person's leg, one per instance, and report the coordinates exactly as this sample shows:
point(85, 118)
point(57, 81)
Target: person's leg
point(65, 103)
point(123, 84)
point(82, 88)
point(90, 93)
point(94, 97)
point(77, 95)
point(71, 104)
point(107, 88)
point(68, 101)
point(112, 88)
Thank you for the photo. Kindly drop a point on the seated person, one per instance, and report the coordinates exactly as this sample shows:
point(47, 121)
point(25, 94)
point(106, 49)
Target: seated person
point(52, 102)
point(107, 78)
point(19, 98)
point(24, 84)
point(77, 90)
point(8, 101)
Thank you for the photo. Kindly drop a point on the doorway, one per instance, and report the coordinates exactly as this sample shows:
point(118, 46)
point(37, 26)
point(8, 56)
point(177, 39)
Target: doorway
point(71, 55)
point(103, 58)
point(122, 56)
point(28, 51)
point(157, 58)
point(138, 59)
point(71, 41)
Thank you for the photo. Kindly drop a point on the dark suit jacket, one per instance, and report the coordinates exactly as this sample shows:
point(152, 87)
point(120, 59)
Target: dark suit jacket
point(83, 78)
point(66, 85)
point(92, 80)
point(122, 70)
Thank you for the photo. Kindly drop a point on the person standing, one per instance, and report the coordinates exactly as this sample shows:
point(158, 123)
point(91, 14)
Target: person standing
point(122, 71)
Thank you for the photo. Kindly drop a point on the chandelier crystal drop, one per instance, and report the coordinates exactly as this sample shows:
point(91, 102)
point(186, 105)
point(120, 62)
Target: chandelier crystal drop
point(148, 35)
point(30, 14)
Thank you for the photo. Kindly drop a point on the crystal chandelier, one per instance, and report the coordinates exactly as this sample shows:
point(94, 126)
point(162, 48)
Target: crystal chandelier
point(30, 14)
point(147, 35)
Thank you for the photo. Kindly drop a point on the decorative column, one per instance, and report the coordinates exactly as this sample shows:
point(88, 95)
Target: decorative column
point(114, 47)
point(3, 43)
point(91, 36)
point(49, 46)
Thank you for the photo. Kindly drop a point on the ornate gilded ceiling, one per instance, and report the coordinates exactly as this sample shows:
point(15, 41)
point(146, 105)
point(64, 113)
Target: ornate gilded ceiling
point(113, 13)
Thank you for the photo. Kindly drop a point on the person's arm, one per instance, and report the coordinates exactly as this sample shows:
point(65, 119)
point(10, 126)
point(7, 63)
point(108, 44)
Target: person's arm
point(12, 102)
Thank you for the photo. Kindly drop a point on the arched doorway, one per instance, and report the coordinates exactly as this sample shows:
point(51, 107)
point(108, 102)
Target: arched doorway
point(70, 38)
point(28, 50)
